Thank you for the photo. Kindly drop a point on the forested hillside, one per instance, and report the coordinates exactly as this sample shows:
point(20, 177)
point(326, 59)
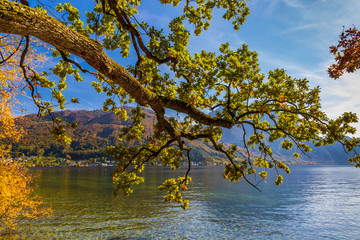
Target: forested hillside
point(97, 130)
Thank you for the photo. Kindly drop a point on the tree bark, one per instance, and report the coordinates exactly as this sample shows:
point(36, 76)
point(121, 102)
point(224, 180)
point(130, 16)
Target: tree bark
point(19, 19)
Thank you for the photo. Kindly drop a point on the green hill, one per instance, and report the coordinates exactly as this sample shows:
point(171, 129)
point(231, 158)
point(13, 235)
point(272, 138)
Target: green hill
point(97, 130)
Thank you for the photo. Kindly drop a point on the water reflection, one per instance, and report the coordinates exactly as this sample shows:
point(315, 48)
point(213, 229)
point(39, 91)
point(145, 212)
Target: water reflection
point(314, 202)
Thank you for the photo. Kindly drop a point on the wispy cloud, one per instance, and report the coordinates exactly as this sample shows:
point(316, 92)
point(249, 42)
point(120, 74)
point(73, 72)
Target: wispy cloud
point(344, 92)
point(342, 96)
point(271, 7)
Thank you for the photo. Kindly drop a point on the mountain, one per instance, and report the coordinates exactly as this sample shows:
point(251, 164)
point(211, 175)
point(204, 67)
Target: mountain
point(333, 154)
point(97, 130)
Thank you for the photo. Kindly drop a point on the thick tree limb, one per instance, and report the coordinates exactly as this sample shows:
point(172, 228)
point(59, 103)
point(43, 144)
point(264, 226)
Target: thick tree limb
point(22, 20)
point(19, 19)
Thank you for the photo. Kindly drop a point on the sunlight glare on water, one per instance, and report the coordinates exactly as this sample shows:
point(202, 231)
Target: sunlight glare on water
point(315, 202)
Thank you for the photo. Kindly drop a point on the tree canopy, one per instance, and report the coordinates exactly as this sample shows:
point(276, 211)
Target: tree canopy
point(346, 53)
point(10, 81)
point(17, 201)
point(212, 90)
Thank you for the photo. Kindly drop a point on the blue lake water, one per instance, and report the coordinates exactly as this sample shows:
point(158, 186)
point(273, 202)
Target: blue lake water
point(314, 202)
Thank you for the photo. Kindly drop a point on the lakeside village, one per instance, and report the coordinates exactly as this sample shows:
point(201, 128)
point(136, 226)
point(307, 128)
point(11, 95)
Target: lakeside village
point(41, 161)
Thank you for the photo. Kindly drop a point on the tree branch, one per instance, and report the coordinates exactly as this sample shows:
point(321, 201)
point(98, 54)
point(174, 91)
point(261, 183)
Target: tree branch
point(22, 20)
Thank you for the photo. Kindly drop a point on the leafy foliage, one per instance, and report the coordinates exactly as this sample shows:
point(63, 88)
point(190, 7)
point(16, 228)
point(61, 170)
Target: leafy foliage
point(17, 202)
point(346, 53)
point(166, 75)
point(10, 84)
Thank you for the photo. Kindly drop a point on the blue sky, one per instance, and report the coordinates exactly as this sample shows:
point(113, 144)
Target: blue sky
point(290, 34)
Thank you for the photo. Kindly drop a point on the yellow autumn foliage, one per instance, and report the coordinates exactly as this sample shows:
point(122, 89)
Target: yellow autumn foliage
point(10, 82)
point(17, 201)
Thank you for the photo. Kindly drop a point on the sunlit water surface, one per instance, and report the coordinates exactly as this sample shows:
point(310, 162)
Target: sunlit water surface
point(315, 202)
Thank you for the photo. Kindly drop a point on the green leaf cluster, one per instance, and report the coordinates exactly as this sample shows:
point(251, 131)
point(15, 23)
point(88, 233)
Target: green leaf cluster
point(174, 188)
point(229, 84)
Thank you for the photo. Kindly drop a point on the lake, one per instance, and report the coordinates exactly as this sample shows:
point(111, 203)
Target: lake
point(314, 202)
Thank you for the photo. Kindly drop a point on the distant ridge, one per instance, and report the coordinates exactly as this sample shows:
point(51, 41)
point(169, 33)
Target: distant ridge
point(98, 129)
point(333, 154)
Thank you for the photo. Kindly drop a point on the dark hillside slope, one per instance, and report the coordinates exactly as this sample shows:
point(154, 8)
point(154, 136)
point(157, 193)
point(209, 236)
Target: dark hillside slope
point(97, 130)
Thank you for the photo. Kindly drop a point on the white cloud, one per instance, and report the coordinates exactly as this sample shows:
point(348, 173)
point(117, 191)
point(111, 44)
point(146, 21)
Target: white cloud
point(343, 94)
point(271, 7)
point(311, 27)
